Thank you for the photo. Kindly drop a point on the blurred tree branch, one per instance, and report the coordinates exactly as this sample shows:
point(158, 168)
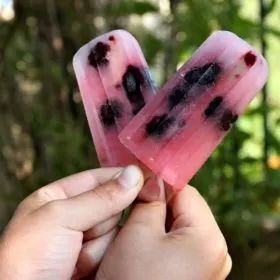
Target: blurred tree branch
point(8, 30)
point(264, 10)
point(169, 60)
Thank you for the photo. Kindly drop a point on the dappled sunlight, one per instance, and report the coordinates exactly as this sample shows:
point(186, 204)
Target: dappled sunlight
point(6, 10)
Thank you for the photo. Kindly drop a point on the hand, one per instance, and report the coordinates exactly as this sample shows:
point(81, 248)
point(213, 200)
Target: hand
point(193, 249)
point(67, 225)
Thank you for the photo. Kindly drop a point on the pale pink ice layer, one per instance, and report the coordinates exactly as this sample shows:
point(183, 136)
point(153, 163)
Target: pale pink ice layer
point(115, 84)
point(176, 132)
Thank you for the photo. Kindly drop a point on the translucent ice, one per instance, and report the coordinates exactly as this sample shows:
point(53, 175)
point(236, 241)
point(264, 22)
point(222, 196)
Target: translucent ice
point(178, 129)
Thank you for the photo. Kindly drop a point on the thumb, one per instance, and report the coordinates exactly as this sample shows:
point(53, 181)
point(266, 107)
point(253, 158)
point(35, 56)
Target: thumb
point(150, 214)
point(88, 209)
point(189, 209)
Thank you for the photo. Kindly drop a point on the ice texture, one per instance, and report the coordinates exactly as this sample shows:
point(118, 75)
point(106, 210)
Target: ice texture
point(179, 128)
point(115, 84)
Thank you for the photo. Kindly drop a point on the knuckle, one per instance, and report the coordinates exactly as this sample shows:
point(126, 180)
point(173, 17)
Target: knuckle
point(139, 223)
point(144, 222)
point(215, 249)
point(106, 194)
point(214, 256)
point(156, 204)
point(178, 238)
point(43, 194)
point(223, 251)
point(153, 204)
point(22, 205)
point(53, 208)
point(219, 252)
point(228, 265)
point(94, 232)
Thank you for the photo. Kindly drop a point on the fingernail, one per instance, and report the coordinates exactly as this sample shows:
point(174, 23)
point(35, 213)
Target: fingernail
point(153, 190)
point(130, 177)
point(161, 186)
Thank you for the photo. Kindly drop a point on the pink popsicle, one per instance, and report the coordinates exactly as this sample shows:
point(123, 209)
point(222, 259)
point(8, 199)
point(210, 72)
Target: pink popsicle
point(178, 129)
point(115, 84)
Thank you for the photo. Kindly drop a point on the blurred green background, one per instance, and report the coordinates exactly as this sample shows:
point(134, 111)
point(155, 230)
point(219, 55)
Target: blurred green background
point(44, 133)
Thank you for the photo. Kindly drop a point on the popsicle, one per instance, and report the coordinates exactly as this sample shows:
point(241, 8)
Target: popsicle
point(115, 84)
point(178, 129)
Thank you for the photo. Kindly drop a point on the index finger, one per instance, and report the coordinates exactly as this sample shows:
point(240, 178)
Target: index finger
point(67, 187)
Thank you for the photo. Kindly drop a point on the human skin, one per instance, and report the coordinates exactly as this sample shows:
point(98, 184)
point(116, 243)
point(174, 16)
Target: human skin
point(193, 249)
point(66, 229)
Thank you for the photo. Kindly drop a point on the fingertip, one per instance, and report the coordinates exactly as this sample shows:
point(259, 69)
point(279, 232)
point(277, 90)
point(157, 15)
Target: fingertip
point(189, 193)
point(131, 177)
point(153, 189)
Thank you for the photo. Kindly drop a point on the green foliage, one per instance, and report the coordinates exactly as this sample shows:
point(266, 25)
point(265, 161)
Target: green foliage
point(151, 45)
point(270, 7)
point(127, 8)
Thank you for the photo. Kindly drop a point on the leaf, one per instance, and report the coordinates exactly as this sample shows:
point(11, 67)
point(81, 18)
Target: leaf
point(274, 176)
point(242, 135)
point(203, 177)
point(250, 160)
point(270, 7)
point(245, 28)
point(273, 31)
point(259, 110)
point(274, 142)
point(151, 45)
